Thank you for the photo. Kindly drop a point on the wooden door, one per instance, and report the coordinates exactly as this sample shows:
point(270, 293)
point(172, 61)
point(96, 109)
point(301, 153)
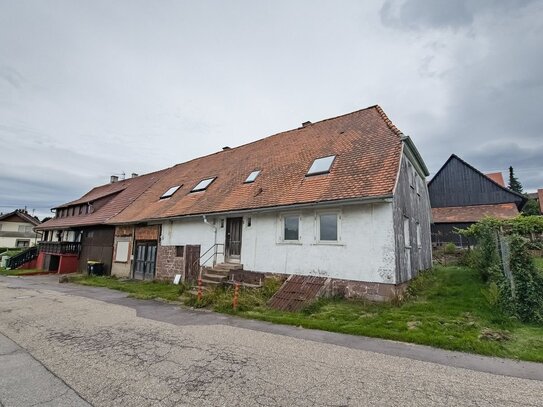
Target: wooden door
point(144, 260)
point(233, 239)
point(192, 262)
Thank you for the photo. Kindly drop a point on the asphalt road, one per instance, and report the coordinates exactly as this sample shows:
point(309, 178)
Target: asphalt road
point(70, 345)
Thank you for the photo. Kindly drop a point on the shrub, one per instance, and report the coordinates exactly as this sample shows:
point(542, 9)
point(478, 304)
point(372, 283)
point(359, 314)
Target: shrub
point(450, 248)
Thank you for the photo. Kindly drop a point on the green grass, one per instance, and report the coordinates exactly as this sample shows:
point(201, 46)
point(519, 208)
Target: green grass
point(447, 311)
point(16, 272)
point(145, 290)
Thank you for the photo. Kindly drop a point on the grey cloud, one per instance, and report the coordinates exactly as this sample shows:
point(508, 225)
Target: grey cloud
point(442, 14)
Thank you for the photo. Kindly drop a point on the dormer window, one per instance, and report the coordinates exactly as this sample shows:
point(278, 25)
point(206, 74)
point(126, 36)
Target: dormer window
point(170, 192)
point(252, 176)
point(321, 165)
point(203, 184)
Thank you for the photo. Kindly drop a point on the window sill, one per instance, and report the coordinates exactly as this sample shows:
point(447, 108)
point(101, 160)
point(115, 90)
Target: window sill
point(121, 262)
point(324, 243)
point(293, 243)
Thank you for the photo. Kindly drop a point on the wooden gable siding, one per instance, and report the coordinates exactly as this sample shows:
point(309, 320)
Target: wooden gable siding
point(458, 184)
point(415, 207)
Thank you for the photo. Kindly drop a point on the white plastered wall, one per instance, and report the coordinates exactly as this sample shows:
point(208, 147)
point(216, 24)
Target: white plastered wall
point(365, 251)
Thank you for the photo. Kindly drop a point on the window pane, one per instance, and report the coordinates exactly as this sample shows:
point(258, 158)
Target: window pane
point(170, 192)
point(328, 227)
point(202, 185)
point(252, 176)
point(321, 165)
point(292, 224)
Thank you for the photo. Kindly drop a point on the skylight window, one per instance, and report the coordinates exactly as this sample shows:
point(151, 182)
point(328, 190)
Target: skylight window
point(170, 192)
point(252, 176)
point(321, 165)
point(203, 184)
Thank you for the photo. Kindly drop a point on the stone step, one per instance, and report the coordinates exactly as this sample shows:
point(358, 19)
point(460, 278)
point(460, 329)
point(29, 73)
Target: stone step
point(228, 266)
point(214, 277)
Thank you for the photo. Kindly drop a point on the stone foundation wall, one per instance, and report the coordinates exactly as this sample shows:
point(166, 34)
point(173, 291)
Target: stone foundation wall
point(378, 292)
point(168, 264)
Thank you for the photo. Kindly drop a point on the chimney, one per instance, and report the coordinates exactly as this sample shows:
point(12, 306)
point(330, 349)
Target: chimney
point(225, 148)
point(305, 124)
point(114, 179)
point(134, 175)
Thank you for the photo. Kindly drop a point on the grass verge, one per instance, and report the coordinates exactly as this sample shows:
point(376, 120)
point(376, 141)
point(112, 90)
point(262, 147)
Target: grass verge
point(145, 290)
point(16, 272)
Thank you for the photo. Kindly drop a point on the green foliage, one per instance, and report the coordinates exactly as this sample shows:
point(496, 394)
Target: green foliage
point(528, 283)
point(491, 294)
point(521, 294)
point(450, 248)
point(221, 298)
point(531, 208)
point(514, 183)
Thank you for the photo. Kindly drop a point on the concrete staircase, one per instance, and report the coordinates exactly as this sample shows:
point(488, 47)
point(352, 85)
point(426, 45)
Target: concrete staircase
point(217, 275)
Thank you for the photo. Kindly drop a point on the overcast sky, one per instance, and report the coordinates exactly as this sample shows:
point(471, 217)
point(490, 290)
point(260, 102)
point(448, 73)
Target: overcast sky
point(94, 88)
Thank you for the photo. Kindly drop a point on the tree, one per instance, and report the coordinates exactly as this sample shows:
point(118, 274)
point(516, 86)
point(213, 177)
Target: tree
point(514, 183)
point(531, 207)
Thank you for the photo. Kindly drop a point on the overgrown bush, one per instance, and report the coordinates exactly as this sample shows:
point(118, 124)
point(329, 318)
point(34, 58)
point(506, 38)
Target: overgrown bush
point(221, 298)
point(519, 294)
point(450, 248)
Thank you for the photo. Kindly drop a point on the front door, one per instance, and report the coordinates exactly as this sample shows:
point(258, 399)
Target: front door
point(233, 239)
point(144, 260)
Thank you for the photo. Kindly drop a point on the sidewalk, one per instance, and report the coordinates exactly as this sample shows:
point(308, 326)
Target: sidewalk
point(26, 382)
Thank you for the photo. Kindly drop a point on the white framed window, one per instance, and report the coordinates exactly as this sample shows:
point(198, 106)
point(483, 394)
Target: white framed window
point(321, 165)
point(290, 228)
point(328, 225)
point(203, 184)
point(170, 192)
point(252, 176)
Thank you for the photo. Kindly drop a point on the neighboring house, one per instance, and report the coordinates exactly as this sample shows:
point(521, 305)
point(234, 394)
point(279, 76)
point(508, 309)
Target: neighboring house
point(17, 229)
point(344, 198)
point(461, 195)
point(78, 233)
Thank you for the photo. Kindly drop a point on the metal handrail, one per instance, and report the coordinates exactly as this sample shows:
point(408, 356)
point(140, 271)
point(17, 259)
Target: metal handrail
point(214, 254)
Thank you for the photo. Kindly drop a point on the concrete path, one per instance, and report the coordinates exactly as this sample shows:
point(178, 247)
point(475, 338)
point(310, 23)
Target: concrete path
point(115, 350)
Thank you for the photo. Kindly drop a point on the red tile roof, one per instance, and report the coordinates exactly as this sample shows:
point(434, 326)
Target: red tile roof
point(367, 148)
point(497, 177)
point(121, 194)
point(466, 214)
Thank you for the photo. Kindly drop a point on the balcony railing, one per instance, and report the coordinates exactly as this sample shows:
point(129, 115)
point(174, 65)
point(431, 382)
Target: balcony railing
point(60, 247)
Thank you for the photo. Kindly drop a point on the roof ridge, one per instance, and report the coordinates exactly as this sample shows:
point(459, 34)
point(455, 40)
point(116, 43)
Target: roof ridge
point(288, 131)
point(388, 122)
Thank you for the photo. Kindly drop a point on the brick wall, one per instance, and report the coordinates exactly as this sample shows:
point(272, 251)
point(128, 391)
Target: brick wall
point(147, 232)
point(168, 264)
point(124, 230)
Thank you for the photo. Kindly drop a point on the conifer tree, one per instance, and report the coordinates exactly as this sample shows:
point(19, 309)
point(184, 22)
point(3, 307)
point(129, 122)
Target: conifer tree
point(514, 183)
